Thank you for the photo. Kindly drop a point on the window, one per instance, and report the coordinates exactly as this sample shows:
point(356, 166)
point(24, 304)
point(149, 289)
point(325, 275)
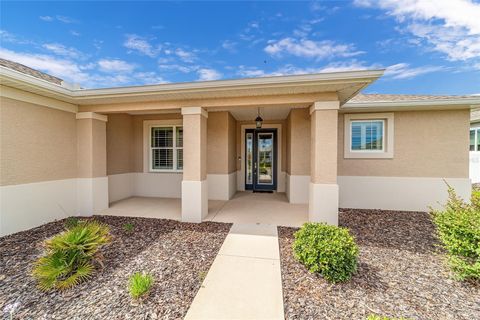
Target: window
point(166, 148)
point(475, 139)
point(366, 135)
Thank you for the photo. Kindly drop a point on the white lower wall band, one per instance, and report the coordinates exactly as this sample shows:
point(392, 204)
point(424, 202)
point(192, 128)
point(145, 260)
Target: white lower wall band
point(297, 188)
point(398, 193)
point(26, 206)
point(475, 166)
point(194, 200)
point(222, 186)
point(323, 203)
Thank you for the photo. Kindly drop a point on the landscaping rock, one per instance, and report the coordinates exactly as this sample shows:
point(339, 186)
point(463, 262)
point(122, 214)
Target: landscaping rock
point(401, 273)
point(174, 253)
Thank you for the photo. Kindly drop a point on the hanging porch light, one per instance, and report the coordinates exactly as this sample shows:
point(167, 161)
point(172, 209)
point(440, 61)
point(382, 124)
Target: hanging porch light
point(258, 120)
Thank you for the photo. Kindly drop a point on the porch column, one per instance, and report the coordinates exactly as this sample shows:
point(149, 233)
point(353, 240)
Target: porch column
point(92, 182)
point(323, 193)
point(194, 184)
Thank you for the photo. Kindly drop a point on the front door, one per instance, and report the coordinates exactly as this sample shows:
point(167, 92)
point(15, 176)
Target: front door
point(261, 159)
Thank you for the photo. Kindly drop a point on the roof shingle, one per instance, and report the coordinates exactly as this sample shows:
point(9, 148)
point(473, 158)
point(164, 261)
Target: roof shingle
point(32, 72)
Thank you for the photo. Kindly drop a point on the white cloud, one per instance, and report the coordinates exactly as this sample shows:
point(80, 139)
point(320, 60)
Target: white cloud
point(139, 44)
point(61, 50)
point(448, 26)
point(184, 55)
point(115, 65)
point(114, 72)
point(75, 33)
point(306, 48)
point(404, 71)
point(206, 74)
point(229, 45)
point(177, 67)
point(46, 18)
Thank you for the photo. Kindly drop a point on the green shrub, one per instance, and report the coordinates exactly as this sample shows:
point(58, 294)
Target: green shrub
point(458, 228)
point(128, 227)
point(71, 222)
point(328, 250)
point(70, 256)
point(139, 284)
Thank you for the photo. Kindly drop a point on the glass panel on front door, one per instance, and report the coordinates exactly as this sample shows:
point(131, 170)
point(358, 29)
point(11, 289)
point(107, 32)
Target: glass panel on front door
point(260, 159)
point(265, 158)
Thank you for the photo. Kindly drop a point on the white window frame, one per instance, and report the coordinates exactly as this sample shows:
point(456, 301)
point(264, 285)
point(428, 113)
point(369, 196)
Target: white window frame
point(387, 135)
point(475, 139)
point(147, 149)
point(383, 135)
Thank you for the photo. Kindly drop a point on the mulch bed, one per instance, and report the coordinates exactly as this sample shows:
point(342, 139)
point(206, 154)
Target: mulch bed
point(177, 254)
point(401, 274)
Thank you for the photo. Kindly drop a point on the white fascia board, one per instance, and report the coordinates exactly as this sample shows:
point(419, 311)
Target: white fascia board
point(472, 102)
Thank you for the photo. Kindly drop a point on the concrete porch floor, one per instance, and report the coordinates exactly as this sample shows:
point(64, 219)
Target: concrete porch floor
point(244, 207)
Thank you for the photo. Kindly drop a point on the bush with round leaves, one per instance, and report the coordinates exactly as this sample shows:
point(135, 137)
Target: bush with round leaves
point(327, 250)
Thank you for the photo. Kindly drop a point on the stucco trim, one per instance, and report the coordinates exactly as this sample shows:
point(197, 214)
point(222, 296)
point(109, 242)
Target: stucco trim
point(195, 110)
point(389, 133)
point(39, 100)
point(324, 105)
point(91, 115)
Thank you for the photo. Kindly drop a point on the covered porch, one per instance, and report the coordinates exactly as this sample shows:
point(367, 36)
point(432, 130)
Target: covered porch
point(244, 208)
point(190, 152)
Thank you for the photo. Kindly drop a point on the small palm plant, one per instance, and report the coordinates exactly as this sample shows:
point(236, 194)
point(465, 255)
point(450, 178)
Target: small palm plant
point(70, 256)
point(139, 284)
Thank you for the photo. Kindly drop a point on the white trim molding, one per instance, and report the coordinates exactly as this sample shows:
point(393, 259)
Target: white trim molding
point(398, 193)
point(324, 105)
point(91, 115)
point(388, 136)
point(195, 110)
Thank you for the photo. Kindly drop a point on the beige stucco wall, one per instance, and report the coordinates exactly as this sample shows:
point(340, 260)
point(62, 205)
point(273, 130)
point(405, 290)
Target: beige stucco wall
point(323, 146)
point(426, 144)
point(298, 142)
point(194, 147)
point(221, 148)
point(283, 140)
point(91, 148)
point(119, 143)
point(37, 143)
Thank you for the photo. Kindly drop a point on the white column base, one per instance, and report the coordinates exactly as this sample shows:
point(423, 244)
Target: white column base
point(194, 200)
point(323, 203)
point(92, 195)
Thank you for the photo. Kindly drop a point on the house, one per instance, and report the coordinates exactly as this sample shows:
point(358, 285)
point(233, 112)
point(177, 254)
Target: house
point(70, 151)
point(475, 145)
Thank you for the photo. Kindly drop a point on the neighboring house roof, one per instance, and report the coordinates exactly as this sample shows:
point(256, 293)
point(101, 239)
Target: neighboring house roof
point(32, 72)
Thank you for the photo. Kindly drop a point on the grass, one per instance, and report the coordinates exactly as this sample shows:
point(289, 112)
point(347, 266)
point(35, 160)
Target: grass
point(128, 227)
point(139, 284)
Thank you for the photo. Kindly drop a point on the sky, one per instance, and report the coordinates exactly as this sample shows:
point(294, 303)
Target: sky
point(425, 46)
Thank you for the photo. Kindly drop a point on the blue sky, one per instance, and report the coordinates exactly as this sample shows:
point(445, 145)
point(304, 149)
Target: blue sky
point(427, 47)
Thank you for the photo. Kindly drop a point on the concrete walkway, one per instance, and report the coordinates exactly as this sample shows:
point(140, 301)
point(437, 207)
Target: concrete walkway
point(244, 281)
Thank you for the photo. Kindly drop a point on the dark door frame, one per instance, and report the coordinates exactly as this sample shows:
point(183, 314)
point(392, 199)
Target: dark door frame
point(255, 186)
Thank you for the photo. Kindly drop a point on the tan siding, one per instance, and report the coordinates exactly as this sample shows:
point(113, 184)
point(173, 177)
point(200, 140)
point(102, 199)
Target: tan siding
point(119, 144)
point(288, 143)
point(37, 143)
point(232, 148)
point(91, 148)
point(426, 144)
point(217, 142)
point(299, 142)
